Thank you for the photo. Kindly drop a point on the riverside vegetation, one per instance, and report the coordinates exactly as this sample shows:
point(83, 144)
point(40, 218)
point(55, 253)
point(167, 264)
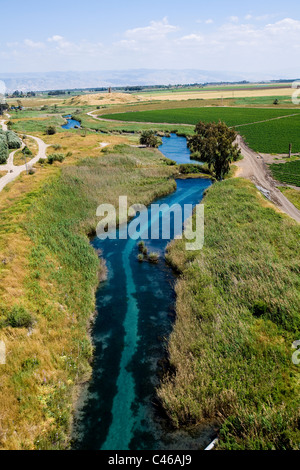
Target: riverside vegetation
point(238, 307)
point(49, 273)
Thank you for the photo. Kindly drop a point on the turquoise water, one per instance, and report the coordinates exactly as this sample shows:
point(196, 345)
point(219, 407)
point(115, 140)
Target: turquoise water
point(135, 316)
point(176, 149)
point(71, 123)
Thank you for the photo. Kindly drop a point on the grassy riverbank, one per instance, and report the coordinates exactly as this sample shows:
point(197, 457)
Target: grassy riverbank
point(238, 307)
point(49, 273)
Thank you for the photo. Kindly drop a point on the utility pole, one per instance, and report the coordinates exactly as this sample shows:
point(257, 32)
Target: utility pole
point(24, 153)
point(25, 164)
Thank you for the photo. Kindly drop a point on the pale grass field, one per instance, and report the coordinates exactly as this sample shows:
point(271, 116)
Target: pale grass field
point(103, 99)
point(80, 145)
point(34, 102)
point(210, 95)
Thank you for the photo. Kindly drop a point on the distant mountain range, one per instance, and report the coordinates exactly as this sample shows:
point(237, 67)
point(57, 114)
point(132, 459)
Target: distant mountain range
point(140, 77)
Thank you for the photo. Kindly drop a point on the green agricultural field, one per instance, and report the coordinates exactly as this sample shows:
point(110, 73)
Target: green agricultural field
point(269, 137)
point(274, 136)
point(287, 172)
point(232, 116)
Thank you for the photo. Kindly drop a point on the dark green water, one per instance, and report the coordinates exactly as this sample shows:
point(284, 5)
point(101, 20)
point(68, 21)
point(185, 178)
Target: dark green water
point(135, 316)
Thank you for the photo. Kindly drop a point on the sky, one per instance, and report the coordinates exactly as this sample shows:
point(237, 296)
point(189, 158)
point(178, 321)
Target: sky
point(257, 37)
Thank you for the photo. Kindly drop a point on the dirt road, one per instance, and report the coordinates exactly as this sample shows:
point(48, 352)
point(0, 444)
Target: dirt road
point(14, 171)
point(254, 168)
point(134, 122)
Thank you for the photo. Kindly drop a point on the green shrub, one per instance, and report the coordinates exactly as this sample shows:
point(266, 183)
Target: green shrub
point(55, 157)
point(27, 151)
point(259, 308)
point(19, 317)
point(153, 258)
point(189, 168)
point(50, 130)
point(169, 162)
point(149, 139)
point(3, 149)
point(141, 246)
point(13, 140)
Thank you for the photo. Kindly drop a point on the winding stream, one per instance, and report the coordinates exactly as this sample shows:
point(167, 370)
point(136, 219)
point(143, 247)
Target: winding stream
point(135, 316)
point(175, 148)
point(71, 123)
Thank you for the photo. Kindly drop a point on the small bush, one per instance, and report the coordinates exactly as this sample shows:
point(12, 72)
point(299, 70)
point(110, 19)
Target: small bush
point(153, 258)
point(51, 130)
point(27, 151)
point(141, 258)
point(141, 246)
point(56, 146)
point(3, 149)
point(55, 157)
point(149, 139)
point(259, 308)
point(19, 317)
point(13, 140)
point(190, 168)
point(169, 162)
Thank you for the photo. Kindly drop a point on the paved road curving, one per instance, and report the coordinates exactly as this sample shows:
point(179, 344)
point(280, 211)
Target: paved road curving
point(15, 171)
point(254, 168)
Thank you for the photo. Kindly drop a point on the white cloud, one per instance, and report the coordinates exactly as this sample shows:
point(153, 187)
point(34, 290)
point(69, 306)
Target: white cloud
point(193, 38)
point(155, 31)
point(234, 19)
point(209, 21)
point(55, 38)
point(287, 25)
point(34, 45)
point(64, 47)
point(60, 42)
